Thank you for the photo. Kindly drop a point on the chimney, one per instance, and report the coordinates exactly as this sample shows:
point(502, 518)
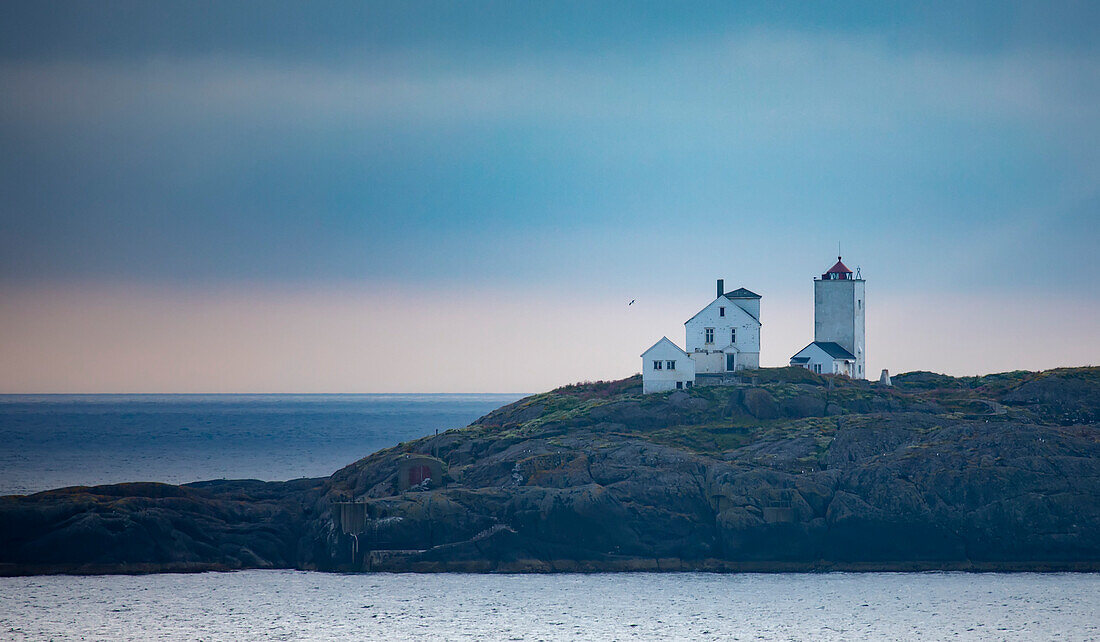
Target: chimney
point(721, 289)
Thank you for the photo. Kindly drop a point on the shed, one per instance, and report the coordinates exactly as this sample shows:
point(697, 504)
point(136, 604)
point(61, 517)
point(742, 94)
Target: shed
point(417, 471)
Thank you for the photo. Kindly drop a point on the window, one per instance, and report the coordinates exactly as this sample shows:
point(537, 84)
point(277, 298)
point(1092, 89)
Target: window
point(708, 335)
point(721, 312)
point(817, 368)
point(860, 302)
point(689, 384)
point(679, 385)
point(860, 369)
point(733, 335)
point(657, 365)
point(670, 365)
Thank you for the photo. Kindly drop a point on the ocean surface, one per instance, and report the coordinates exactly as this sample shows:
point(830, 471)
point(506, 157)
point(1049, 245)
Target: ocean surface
point(49, 441)
point(289, 605)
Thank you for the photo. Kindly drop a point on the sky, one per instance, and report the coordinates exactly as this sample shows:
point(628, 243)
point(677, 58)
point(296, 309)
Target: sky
point(464, 197)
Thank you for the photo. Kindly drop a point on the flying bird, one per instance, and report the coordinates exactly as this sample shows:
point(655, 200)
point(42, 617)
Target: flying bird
point(631, 303)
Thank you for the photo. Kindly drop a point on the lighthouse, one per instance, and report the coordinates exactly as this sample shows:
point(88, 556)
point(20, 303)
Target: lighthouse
point(840, 345)
point(840, 306)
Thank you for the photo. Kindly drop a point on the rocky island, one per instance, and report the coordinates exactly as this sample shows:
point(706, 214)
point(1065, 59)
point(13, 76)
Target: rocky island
point(787, 470)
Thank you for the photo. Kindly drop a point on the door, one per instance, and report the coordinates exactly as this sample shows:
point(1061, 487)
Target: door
point(417, 474)
point(731, 362)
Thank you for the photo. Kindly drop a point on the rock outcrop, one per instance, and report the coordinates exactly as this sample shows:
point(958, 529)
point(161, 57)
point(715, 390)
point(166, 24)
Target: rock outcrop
point(148, 527)
point(797, 471)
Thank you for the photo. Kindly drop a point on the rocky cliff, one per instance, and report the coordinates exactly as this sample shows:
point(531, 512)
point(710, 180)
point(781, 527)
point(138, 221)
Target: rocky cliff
point(789, 470)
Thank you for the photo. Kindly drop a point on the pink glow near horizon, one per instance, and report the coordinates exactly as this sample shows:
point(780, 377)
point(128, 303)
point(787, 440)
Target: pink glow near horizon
point(266, 339)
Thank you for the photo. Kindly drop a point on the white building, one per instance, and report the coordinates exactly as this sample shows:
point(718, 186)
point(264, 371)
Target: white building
point(723, 337)
point(666, 367)
point(825, 357)
point(839, 345)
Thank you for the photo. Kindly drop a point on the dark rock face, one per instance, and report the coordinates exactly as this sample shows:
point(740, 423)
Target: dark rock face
point(1065, 399)
point(154, 527)
point(797, 472)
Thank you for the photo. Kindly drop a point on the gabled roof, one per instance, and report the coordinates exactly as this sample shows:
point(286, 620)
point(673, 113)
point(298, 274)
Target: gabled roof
point(835, 350)
point(741, 293)
point(831, 348)
point(839, 268)
point(735, 307)
point(669, 342)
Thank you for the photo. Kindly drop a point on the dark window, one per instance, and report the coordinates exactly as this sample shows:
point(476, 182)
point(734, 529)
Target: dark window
point(733, 335)
point(657, 365)
point(708, 335)
point(689, 384)
point(670, 365)
point(679, 385)
point(721, 312)
point(817, 368)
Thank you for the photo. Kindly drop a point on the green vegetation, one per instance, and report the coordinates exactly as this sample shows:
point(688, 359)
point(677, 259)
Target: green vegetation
point(710, 438)
point(602, 389)
point(790, 374)
point(780, 404)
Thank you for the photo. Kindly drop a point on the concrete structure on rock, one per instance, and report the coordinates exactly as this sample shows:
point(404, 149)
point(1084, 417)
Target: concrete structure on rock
point(418, 471)
point(839, 345)
point(721, 338)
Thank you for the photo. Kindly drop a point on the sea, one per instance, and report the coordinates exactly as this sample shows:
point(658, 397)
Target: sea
point(48, 441)
point(51, 441)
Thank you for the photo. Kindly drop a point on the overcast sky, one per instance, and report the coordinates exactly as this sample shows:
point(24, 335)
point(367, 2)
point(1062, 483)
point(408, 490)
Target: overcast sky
point(420, 197)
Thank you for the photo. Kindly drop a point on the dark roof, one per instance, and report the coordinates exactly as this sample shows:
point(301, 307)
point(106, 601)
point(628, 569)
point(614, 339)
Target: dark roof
point(834, 350)
point(741, 293)
point(839, 268)
point(799, 359)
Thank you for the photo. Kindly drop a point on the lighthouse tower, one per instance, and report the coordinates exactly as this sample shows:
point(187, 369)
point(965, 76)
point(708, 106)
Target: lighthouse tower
point(839, 307)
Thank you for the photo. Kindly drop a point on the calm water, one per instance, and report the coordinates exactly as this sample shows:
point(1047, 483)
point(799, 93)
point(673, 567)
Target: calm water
point(48, 441)
point(287, 605)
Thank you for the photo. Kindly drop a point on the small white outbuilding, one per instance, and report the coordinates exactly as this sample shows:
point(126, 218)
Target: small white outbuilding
point(825, 357)
point(666, 367)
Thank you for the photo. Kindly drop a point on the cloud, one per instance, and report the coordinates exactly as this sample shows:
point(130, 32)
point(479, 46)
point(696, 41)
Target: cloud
point(432, 163)
point(505, 177)
point(740, 84)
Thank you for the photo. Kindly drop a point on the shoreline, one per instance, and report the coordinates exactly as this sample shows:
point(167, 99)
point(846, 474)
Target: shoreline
point(567, 567)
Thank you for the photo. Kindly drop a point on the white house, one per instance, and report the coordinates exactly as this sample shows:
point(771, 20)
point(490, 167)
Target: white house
point(840, 305)
point(666, 367)
point(723, 337)
point(825, 357)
